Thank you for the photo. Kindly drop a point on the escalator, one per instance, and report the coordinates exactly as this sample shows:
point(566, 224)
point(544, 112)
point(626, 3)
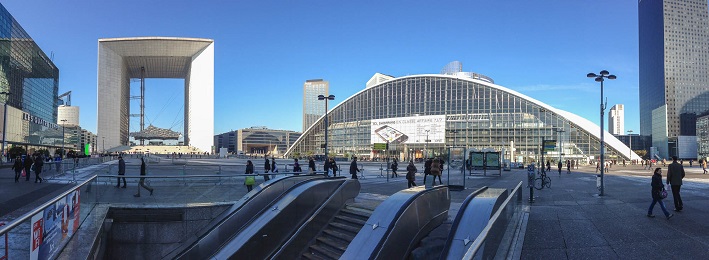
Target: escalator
point(236, 218)
point(338, 234)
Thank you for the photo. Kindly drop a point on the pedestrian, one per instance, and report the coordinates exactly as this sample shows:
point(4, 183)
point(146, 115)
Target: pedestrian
point(333, 166)
point(121, 172)
point(249, 181)
point(657, 189)
point(427, 169)
point(558, 165)
point(311, 165)
point(28, 166)
point(266, 169)
point(690, 162)
point(296, 167)
point(18, 167)
point(435, 171)
point(274, 168)
point(353, 168)
point(411, 174)
point(326, 167)
point(675, 174)
point(394, 167)
point(38, 163)
point(58, 162)
point(141, 183)
point(598, 165)
point(548, 166)
point(568, 166)
point(642, 162)
point(704, 165)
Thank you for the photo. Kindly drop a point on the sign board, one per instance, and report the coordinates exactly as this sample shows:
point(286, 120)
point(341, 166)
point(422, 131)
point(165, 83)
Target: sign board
point(52, 226)
point(549, 145)
point(410, 130)
point(477, 159)
point(379, 146)
point(492, 160)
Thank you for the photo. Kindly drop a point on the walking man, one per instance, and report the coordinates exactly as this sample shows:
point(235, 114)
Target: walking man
point(121, 171)
point(141, 183)
point(675, 174)
point(353, 168)
point(559, 166)
point(266, 169)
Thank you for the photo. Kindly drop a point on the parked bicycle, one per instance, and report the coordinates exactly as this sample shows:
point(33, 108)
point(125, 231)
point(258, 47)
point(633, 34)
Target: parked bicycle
point(542, 180)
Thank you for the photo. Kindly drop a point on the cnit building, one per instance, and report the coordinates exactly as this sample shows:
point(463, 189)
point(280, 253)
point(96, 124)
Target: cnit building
point(423, 115)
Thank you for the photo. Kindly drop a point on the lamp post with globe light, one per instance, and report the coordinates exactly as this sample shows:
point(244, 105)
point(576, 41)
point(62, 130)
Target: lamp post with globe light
point(326, 98)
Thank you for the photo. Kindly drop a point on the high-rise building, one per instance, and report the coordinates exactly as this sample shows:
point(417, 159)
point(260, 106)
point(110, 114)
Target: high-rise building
point(616, 118)
point(673, 71)
point(68, 115)
point(312, 107)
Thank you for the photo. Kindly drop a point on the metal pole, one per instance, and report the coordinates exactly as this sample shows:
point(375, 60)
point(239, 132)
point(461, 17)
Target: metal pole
point(326, 129)
point(630, 139)
point(4, 130)
point(602, 166)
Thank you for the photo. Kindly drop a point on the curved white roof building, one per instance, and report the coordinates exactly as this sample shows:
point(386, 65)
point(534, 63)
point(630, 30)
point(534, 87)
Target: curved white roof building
point(423, 115)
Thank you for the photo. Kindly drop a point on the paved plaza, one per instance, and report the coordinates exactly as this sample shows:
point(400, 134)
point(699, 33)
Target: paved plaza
point(567, 221)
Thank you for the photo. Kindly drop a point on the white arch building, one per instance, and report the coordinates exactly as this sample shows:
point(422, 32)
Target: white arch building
point(120, 59)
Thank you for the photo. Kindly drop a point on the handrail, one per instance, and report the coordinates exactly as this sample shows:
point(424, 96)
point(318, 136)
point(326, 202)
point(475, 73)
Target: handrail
point(36, 210)
point(195, 175)
point(478, 242)
point(458, 217)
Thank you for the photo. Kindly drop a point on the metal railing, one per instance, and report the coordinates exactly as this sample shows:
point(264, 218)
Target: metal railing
point(496, 226)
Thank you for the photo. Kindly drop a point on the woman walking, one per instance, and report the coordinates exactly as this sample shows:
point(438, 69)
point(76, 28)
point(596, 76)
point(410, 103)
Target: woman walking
point(18, 167)
point(436, 171)
point(657, 188)
point(411, 174)
point(141, 183)
point(250, 180)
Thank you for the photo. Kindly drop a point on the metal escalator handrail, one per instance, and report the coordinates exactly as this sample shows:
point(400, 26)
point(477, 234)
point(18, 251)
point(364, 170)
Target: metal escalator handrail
point(266, 233)
point(359, 248)
point(190, 244)
point(316, 213)
point(478, 242)
point(459, 217)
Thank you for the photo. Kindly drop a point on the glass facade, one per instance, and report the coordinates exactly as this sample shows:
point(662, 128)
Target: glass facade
point(32, 81)
point(477, 114)
point(312, 107)
point(703, 137)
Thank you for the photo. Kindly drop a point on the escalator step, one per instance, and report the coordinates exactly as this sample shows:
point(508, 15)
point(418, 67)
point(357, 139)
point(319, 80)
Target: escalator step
point(351, 220)
point(333, 245)
point(352, 229)
point(336, 234)
point(308, 255)
point(355, 214)
point(323, 252)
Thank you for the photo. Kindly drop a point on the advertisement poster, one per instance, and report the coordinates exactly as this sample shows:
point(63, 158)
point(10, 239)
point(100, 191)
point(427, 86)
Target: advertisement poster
point(492, 160)
point(476, 159)
point(411, 130)
point(52, 226)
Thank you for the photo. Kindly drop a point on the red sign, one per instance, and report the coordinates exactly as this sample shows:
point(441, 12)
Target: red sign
point(37, 233)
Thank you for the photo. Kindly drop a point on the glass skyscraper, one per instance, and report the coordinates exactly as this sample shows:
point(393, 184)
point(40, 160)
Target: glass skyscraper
point(674, 64)
point(312, 107)
point(32, 80)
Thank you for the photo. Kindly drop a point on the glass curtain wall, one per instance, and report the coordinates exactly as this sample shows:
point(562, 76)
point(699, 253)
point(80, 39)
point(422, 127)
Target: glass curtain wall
point(477, 116)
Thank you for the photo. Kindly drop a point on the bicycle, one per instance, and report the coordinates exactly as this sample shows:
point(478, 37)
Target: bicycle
point(542, 180)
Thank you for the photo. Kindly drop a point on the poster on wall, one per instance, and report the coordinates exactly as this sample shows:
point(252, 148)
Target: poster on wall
point(492, 160)
point(410, 130)
point(477, 159)
point(53, 226)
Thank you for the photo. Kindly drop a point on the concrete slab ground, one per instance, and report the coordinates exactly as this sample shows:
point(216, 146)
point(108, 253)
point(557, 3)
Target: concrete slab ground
point(567, 221)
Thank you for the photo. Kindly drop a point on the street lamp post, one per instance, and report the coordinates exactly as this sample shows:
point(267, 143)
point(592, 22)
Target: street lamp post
point(323, 97)
point(63, 123)
point(4, 123)
point(103, 144)
point(454, 132)
point(604, 74)
point(425, 144)
point(630, 139)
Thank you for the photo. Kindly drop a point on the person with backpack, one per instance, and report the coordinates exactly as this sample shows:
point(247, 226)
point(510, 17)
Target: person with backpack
point(249, 181)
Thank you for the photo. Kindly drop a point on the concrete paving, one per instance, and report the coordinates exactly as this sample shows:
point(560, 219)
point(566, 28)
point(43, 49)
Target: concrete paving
point(567, 221)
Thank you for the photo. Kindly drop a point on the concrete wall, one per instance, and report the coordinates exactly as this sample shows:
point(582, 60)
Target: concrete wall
point(151, 233)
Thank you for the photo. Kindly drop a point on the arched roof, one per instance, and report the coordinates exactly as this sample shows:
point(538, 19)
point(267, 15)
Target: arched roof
point(585, 125)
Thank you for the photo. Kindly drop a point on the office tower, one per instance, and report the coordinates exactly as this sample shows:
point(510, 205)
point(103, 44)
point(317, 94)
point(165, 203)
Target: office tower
point(312, 107)
point(673, 71)
point(615, 120)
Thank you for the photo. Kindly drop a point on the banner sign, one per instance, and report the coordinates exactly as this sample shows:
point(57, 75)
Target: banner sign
point(549, 145)
point(477, 159)
point(492, 160)
point(51, 227)
point(380, 146)
point(410, 130)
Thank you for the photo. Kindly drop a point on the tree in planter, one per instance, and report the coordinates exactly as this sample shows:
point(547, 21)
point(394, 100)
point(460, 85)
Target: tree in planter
point(17, 151)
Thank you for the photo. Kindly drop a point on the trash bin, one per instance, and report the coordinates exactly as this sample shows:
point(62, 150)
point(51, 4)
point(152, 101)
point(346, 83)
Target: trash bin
point(598, 181)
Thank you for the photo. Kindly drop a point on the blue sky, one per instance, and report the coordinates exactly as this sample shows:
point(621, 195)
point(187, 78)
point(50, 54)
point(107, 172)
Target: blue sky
point(265, 50)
